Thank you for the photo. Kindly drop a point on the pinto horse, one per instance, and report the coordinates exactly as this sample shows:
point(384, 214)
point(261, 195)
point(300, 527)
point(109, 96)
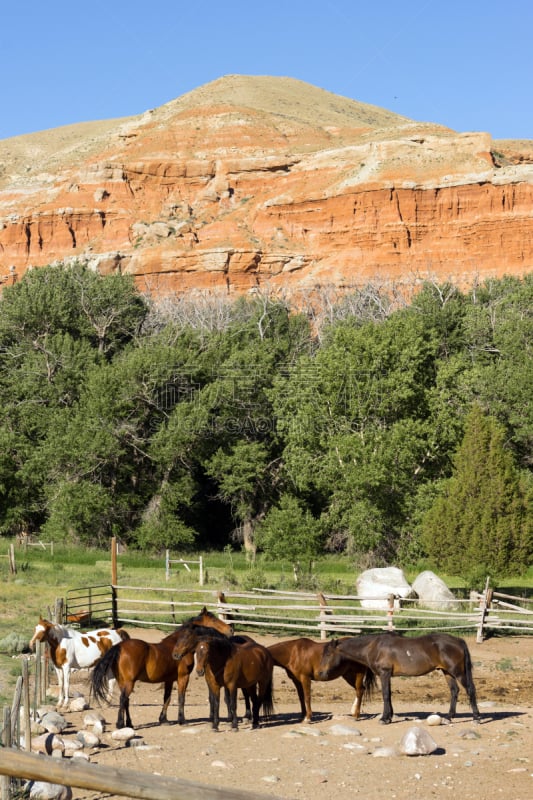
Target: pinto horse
point(71, 649)
point(390, 654)
point(301, 658)
point(246, 666)
point(136, 660)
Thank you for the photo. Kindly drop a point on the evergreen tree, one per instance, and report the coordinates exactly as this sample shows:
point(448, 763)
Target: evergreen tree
point(481, 520)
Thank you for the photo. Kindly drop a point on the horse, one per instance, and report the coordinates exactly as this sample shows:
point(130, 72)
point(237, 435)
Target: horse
point(390, 654)
point(136, 660)
point(300, 658)
point(71, 649)
point(187, 644)
point(246, 666)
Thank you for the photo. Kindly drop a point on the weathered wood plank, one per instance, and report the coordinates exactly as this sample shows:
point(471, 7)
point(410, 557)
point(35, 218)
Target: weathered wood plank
point(113, 780)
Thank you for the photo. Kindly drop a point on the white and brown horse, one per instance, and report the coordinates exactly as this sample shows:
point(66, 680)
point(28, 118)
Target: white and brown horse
point(71, 649)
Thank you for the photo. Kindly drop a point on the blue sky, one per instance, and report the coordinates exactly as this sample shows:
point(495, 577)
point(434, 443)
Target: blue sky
point(466, 64)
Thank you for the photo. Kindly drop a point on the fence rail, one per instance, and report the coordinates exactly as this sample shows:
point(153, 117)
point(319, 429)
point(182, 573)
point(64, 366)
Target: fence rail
point(299, 612)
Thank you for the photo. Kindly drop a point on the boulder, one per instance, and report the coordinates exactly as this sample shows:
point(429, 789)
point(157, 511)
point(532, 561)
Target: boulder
point(432, 590)
point(417, 742)
point(375, 585)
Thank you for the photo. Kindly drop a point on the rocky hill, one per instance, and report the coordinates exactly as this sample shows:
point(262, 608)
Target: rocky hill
point(260, 180)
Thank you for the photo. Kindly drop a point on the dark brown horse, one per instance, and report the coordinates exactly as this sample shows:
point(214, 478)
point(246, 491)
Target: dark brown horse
point(136, 660)
point(389, 654)
point(301, 658)
point(187, 644)
point(225, 663)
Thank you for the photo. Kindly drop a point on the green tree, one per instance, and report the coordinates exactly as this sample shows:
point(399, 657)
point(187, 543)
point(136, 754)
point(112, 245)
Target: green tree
point(289, 531)
point(482, 518)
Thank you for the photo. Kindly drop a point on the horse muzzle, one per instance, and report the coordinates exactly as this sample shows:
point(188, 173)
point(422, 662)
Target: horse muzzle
point(200, 672)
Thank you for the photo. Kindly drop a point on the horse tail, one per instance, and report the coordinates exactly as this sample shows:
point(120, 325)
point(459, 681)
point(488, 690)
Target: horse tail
point(369, 684)
point(267, 705)
point(101, 672)
point(124, 635)
point(470, 687)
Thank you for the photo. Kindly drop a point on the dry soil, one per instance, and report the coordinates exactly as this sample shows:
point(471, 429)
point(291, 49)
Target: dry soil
point(287, 759)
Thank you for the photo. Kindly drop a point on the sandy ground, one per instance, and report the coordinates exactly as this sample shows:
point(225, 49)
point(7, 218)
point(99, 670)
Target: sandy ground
point(285, 758)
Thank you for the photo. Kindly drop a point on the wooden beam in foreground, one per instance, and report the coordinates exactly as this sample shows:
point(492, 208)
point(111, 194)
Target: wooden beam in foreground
point(113, 780)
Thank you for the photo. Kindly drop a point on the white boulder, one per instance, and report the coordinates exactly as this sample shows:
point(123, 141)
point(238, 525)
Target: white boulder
point(375, 585)
point(432, 590)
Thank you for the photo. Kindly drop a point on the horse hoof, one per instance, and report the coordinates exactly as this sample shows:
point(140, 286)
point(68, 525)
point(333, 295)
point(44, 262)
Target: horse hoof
point(385, 721)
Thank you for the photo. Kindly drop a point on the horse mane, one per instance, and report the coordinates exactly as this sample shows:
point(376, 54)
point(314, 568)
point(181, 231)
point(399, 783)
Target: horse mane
point(218, 640)
point(204, 632)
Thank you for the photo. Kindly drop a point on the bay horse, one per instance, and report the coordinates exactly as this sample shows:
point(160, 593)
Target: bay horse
point(136, 660)
point(301, 659)
point(187, 644)
point(390, 654)
point(70, 649)
point(236, 666)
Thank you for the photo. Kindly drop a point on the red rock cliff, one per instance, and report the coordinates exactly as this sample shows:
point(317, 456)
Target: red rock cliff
point(252, 180)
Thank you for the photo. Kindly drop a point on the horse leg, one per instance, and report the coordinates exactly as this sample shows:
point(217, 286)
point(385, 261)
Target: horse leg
point(59, 674)
point(470, 689)
point(247, 706)
point(305, 696)
point(66, 684)
point(256, 705)
point(183, 682)
point(232, 693)
point(305, 701)
point(214, 706)
point(454, 693)
point(227, 700)
point(124, 707)
point(359, 690)
point(385, 678)
point(166, 700)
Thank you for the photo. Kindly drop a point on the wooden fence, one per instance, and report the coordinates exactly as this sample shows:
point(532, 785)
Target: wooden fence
point(300, 613)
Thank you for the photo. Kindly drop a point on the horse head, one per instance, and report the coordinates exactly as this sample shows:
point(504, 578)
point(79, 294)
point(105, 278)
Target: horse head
point(202, 652)
point(41, 631)
point(330, 659)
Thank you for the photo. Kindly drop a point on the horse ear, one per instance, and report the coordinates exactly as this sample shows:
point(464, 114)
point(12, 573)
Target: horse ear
point(204, 611)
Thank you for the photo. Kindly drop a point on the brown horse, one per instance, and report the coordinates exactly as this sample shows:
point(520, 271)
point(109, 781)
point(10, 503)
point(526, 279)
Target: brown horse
point(136, 660)
point(300, 658)
point(390, 654)
point(187, 644)
point(226, 663)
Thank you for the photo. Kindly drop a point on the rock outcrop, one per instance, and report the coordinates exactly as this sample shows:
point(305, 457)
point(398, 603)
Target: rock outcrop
point(257, 180)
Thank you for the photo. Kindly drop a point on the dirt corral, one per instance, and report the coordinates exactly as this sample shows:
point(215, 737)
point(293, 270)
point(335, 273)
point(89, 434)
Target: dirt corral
point(335, 756)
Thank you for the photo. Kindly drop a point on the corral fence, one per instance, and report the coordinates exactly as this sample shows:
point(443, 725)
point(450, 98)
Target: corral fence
point(268, 611)
point(299, 613)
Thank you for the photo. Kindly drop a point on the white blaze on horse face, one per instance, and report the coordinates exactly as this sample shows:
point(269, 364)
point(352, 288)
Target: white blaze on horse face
point(37, 635)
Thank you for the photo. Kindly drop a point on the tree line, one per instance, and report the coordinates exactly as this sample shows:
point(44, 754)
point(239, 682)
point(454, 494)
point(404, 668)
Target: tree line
point(390, 431)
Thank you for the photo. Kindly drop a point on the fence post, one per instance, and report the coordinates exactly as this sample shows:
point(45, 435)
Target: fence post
point(6, 781)
point(201, 568)
point(390, 612)
point(12, 562)
point(324, 612)
point(484, 610)
point(59, 611)
point(167, 565)
point(114, 606)
point(114, 560)
point(26, 694)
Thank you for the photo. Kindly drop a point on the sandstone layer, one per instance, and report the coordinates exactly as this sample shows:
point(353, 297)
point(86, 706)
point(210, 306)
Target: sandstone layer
point(249, 181)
